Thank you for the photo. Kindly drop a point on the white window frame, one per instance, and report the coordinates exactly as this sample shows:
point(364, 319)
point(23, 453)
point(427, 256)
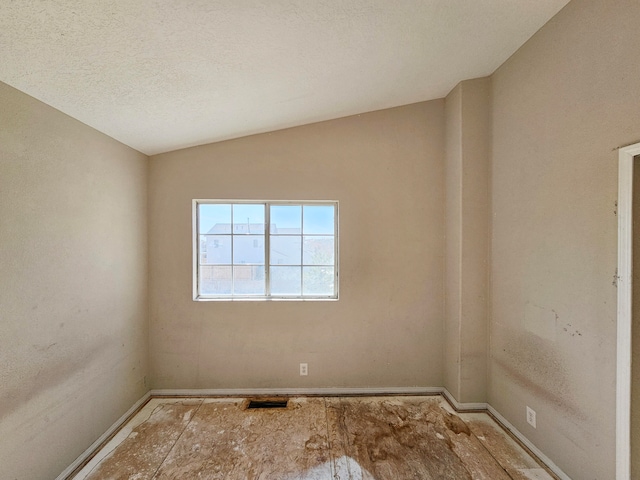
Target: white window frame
point(267, 233)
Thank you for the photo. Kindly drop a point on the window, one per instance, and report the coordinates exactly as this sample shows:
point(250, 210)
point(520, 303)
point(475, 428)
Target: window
point(236, 257)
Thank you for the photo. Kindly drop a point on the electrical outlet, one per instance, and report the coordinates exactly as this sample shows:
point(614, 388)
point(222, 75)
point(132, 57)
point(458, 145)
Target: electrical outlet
point(531, 417)
point(304, 369)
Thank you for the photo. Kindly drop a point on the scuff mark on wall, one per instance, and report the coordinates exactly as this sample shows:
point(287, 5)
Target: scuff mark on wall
point(51, 370)
point(572, 331)
point(550, 396)
point(535, 364)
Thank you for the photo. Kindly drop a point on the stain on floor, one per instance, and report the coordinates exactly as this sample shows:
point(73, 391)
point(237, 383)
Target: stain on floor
point(314, 438)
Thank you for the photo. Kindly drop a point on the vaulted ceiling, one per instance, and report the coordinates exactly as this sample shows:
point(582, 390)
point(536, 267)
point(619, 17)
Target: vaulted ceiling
point(161, 75)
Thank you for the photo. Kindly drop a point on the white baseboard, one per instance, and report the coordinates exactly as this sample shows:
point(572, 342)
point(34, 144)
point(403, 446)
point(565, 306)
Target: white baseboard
point(329, 391)
point(525, 441)
point(93, 448)
point(463, 407)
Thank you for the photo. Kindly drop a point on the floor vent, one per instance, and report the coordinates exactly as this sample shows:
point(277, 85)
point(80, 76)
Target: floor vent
point(267, 404)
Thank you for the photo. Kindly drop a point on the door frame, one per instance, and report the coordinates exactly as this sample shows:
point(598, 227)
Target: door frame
point(624, 317)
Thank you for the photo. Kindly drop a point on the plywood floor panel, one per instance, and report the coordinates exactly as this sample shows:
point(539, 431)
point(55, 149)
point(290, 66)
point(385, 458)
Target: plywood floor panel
point(314, 438)
point(143, 451)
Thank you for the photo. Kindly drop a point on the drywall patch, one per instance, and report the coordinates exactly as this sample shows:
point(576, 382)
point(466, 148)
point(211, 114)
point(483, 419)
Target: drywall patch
point(540, 321)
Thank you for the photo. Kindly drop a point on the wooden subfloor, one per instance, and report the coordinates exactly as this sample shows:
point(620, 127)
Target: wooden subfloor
point(314, 438)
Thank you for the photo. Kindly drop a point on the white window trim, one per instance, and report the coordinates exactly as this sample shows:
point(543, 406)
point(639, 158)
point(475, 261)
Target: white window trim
point(248, 298)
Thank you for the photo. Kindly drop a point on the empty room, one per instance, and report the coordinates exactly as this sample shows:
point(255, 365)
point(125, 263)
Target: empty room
point(313, 240)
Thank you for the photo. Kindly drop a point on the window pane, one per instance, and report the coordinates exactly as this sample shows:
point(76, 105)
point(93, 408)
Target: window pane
point(248, 219)
point(215, 281)
point(286, 250)
point(286, 219)
point(215, 249)
point(318, 251)
point(248, 280)
point(248, 249)
point(214, 218)
point(286, 280)
point(317, 280)
point(231, 242)
point(318, 219)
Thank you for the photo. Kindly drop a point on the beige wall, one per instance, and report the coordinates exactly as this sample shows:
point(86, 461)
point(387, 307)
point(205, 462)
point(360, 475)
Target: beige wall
point(468, 142)
point(73, 296)
point(386, 170)
point(561, 105)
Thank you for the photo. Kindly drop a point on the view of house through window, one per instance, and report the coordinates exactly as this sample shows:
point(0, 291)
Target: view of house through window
point(237, 257)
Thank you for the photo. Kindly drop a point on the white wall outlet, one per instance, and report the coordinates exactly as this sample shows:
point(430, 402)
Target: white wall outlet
point(304, 369)
point(531, 417)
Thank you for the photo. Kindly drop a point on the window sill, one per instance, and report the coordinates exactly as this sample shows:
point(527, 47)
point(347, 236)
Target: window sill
point(265, 299)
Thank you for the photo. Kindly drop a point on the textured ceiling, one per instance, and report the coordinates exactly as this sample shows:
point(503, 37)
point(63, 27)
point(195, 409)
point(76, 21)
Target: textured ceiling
point(165, 74)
